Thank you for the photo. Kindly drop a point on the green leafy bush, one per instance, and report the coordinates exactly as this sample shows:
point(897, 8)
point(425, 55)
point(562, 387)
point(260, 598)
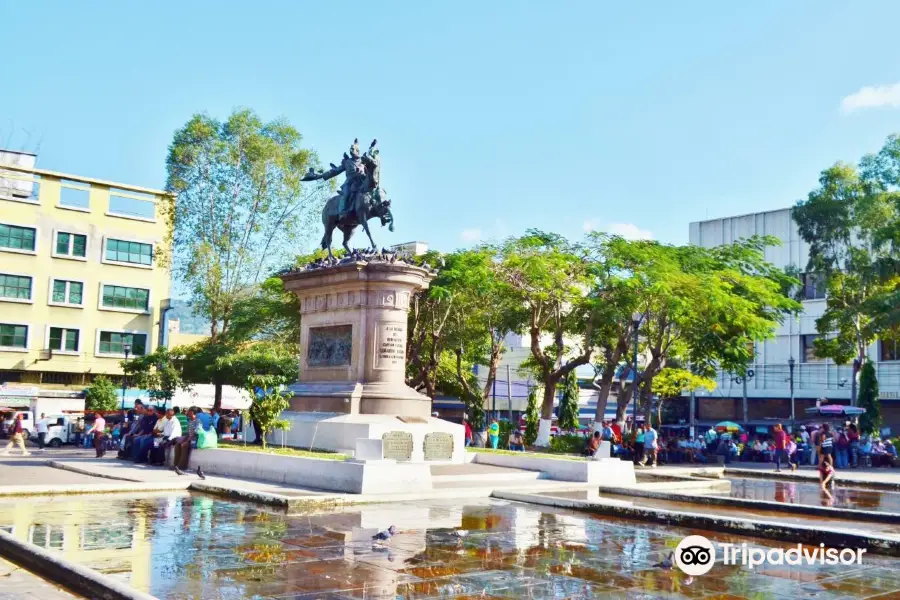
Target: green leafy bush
point(567, 444)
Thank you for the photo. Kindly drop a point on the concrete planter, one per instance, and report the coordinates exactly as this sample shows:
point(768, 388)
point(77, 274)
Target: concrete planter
point(354, 477)
point(608, 471)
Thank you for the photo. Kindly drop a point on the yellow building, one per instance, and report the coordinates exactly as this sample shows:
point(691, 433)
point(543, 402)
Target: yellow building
point(81, 277)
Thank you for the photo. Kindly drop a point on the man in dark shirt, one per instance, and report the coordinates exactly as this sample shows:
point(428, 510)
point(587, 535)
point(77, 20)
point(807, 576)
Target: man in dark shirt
point(143, 439)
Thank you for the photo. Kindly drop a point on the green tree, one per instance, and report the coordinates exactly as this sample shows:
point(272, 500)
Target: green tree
point(100, 395)
point(552, 279)
point(672, 381)
point(693, 305)
point(851, 221)
point(568, 403)
point(158, 372)
point(466, 311)
point(532, 415)
point(263, 369)
point(870, 422)
point(240, 210)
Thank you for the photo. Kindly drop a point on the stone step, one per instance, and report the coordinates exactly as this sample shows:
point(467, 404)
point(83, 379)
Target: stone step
point(485, 474)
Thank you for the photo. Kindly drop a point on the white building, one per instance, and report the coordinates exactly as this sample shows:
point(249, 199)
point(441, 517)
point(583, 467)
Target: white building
point(768, 391)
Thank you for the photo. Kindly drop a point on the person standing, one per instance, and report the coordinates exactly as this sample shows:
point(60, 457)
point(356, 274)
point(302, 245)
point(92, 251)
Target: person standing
point(842, 450)
point(853, 439)
point(99, 431)
point(791, 452)
point(826, 444)
point(780, 443)
point(494, 433)
point(651, 446)
point(468, 431)
point(18, 437)
point(41, 428)
point(639, 444)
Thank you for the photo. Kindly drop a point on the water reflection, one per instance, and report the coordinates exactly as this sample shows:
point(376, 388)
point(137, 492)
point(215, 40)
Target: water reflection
point(791, 492)
point(193, 546)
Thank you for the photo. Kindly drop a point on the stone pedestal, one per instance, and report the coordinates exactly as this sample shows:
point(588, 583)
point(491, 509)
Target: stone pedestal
point(353, 339)
point(353, 365)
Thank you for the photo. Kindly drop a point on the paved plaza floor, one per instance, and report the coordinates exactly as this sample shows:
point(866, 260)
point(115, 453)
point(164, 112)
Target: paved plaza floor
point(182, 545)
point(18, 584)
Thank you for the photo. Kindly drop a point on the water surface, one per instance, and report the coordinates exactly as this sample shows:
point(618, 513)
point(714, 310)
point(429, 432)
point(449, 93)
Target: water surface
point(184, 545)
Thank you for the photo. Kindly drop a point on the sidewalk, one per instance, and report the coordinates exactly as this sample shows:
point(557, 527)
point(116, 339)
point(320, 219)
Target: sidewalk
point(16, 584)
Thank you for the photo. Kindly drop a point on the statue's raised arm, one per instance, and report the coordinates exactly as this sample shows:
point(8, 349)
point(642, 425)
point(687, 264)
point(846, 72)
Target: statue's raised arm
point(313, 175)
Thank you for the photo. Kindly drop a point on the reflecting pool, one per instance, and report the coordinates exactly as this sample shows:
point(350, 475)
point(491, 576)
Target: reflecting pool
point(793, 492)
point(184, 545)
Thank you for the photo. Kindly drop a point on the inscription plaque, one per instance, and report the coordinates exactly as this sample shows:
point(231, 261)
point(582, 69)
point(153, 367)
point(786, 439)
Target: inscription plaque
point(438, 446)
point(390, 345)
point(398, 445)
point(329, 346)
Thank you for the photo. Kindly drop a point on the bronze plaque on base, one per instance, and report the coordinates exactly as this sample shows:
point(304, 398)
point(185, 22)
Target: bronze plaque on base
point(398, 445)
point(438, 446)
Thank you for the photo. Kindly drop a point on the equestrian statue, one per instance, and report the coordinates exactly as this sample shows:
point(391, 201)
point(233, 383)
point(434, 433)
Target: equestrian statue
point(359, 199)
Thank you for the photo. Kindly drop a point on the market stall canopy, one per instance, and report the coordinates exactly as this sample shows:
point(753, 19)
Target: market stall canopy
point(728, 426)
point(835, 410)
point(203, 395)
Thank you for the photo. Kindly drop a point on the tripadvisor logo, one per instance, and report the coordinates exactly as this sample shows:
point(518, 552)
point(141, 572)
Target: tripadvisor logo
point(696, 555)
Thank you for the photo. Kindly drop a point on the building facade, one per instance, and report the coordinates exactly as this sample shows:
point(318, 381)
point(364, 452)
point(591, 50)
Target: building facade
point(768, 391)
point(82, 276)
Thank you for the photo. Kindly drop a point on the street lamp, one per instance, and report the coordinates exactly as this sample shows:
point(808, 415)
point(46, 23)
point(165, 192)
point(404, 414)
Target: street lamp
point(742, 379)
point(791, 363)
point(636, 323)
point(127, 349)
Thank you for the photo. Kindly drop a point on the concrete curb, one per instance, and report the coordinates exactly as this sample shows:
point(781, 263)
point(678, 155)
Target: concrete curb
point(799, 509)
point(834, 538)
point(78, 490)
point(82, 580)
point(798, 476)
point(269, 498)
point(80, 471)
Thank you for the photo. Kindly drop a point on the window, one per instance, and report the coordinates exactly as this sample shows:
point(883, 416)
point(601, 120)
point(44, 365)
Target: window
point(129, 298)
point(67, 292)
point(813, 286)
point(13, 336)
point(113, 342)
point(129, 252)
point(63, 339)
point(15, 287)
point(808, 349)
point(889, 350)
point(17, 238)
point(70, 244)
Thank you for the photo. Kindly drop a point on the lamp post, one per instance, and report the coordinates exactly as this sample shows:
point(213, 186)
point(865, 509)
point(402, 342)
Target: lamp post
point(636, 323)
point(791, 363)
point(742, 379)
point(127, 349)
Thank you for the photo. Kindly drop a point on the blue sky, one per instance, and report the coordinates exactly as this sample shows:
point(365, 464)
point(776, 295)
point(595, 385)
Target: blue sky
point(492, 117)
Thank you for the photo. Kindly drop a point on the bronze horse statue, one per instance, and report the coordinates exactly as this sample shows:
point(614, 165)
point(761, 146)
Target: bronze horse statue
point(365, 206)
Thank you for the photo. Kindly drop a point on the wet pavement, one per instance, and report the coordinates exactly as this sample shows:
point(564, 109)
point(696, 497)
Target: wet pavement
point(792, 492)
point(182, 545)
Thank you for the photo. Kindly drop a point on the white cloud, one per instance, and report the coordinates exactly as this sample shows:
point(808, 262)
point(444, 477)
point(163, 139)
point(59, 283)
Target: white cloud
point(470, 235)
point(629, 231)
point(872, 96)
point(591, 225)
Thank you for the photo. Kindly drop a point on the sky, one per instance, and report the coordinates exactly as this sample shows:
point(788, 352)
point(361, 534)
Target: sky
point(492, 117)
